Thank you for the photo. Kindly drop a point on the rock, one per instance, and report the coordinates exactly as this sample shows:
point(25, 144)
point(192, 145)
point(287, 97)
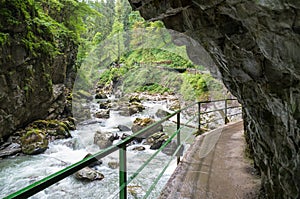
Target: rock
point(113, 165)
point(88, 174)
point(102, 113)
point(10, 150)
point(34, 142)
point(138, 148)
point(156, 140)
point(123, 128)
point(162, 113)
point(100, 95)
point(134, 98)
point(124, 136)
point(54, 128)
point(104, 139)
point(132, 108)
point(174, 105)
point(171, 148)
point(95, 163)
point(140, 124)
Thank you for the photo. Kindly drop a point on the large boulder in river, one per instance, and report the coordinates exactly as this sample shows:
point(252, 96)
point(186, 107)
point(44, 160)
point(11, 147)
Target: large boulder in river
point(102, 113)
point(140, 124)
point(162, 113)
point(157, 139)
point(88, 174)
point(100, 95)
point(104, 139)
point(34, 142)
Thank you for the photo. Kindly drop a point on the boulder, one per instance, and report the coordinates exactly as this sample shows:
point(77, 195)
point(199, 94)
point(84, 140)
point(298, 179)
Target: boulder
point(157, 139)
point(174, 105)
point(95, 163)
point(102, 113)
point(140, 124)
point(10, 150)
point(162, 113)
point(54, 129)
point(34, 142)
point(104, 139)
point(88, 174)
point(100, 95)
point(138, 148)
point(123, 128)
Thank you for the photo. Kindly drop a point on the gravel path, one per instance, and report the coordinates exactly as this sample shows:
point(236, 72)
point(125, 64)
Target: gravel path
point(215, 168)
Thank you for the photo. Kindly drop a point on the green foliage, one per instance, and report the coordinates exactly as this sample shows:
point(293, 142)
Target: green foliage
point(157, 57)
point(199, 86)
point(3, 38)
point(153, 88)
point(112, 74)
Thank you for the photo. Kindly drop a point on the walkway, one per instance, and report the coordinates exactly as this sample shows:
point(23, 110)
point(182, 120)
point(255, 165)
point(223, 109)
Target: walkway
point(214, 168)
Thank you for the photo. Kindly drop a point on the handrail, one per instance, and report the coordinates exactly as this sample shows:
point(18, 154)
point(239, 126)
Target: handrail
point(121, 146)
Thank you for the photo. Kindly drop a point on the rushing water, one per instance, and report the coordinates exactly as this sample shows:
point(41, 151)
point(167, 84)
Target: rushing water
point(18, 172)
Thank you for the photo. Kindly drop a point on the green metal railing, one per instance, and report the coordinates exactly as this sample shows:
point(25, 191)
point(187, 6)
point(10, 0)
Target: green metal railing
point(121, 146)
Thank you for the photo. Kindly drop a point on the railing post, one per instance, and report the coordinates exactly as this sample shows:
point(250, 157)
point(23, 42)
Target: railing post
point(225, 112)
point(123, 172)
point(199, 117)
point(178, 137)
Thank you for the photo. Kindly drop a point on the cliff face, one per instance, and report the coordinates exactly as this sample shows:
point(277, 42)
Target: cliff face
point(36, 65)
point(255, 46)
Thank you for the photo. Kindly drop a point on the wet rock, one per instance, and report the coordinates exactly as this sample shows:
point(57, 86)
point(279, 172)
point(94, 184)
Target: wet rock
point(162, 113)
point(10, 150)
point(123, 128)
point(140, 124)
point(88, 174)
point(134, 98)
point(138, 148)
point(174, 105)
point(104, 139)
point(113, 165)
point(34, 142)
point(156, 140)
point(124, 136)
point(95, 163)
point(131, 108)
point(100, 95)
point(102, 113)
point(54, 129)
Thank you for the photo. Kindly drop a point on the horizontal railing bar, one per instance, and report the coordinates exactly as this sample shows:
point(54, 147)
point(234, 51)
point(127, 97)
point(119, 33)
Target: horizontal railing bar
point(235, 114)
point(221, 109)
point(231, 107)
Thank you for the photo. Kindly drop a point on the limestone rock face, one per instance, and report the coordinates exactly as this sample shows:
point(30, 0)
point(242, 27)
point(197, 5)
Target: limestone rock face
point(33, 82)
point(255, 48)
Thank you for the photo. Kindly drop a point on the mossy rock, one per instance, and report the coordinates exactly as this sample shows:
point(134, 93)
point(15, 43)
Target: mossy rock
point(54, 128)
point(34, 142)
point(140, 124)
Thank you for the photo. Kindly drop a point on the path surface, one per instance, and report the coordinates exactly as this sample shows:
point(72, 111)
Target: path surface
point(214, 168)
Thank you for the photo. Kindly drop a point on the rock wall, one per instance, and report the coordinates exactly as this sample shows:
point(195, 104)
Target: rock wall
point(255, 45)
point(36, 66)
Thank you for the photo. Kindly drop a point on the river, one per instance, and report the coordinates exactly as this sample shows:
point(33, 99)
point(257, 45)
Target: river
point(20, 171)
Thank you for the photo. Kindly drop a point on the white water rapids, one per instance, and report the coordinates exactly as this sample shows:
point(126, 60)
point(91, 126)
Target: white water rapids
point(20, 171)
